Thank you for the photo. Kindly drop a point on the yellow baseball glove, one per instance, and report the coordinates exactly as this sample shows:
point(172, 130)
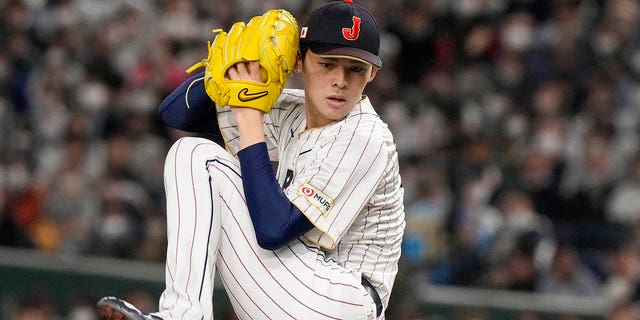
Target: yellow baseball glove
point(271, 39)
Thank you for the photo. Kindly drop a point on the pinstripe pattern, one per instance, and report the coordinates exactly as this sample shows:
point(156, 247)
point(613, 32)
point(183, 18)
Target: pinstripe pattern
point(205, 204)
point(351, 167)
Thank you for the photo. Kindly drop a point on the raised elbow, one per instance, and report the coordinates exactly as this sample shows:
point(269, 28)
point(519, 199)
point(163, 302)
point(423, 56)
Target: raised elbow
point(270, 240)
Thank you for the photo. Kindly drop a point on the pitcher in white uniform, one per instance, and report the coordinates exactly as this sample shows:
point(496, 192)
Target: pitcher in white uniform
point(320, 237)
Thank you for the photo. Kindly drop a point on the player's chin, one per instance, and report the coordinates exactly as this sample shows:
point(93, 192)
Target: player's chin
point(336, 114)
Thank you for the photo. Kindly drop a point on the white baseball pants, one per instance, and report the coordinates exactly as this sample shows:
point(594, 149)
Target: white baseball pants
point(209, 227)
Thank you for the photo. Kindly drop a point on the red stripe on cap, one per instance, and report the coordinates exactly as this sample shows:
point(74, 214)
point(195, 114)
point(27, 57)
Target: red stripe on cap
point(348, 1)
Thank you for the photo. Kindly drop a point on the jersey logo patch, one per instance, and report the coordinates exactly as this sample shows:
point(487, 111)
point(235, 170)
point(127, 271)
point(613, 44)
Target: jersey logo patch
point(317, 198)
point(287, 179)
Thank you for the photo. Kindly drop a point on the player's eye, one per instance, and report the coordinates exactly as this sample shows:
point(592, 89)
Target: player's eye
point(326, 65)
point(357, 69)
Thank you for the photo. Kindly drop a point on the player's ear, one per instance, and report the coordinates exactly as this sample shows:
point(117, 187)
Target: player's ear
point(374, 71)
point(298, 66)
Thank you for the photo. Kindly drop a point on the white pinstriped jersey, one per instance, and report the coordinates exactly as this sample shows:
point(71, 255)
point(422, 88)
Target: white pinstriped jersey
point(344, 177)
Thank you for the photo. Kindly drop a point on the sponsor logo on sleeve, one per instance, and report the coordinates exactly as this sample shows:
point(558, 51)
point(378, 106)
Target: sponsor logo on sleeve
point(317, 198)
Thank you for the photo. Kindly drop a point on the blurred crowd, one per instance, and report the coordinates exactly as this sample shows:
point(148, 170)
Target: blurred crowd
point(517, 125)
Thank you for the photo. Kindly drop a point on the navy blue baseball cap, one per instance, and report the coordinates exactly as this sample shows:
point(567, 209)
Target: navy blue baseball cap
point(342, 29)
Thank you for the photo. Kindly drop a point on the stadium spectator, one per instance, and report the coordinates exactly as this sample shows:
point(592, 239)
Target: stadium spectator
point(569, 275)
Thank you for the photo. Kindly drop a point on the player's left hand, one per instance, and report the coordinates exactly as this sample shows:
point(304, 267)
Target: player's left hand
point(245, 71)
point(249, 119)
point(248, 72)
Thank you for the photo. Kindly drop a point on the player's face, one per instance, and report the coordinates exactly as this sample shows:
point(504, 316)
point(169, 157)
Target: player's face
point(333, 86)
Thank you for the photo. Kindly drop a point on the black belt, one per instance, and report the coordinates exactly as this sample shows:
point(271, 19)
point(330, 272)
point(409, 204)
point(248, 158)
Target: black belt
point(374, 294)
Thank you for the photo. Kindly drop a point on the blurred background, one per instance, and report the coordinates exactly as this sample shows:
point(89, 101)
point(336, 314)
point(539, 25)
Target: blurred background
point(517, 125)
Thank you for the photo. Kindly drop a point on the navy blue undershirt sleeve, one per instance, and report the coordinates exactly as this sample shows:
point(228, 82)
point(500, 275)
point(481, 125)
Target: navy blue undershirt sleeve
point(275, 219)
point(201, 114)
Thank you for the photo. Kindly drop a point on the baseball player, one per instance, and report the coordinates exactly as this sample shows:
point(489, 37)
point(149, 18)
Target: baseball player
point(301, 212)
